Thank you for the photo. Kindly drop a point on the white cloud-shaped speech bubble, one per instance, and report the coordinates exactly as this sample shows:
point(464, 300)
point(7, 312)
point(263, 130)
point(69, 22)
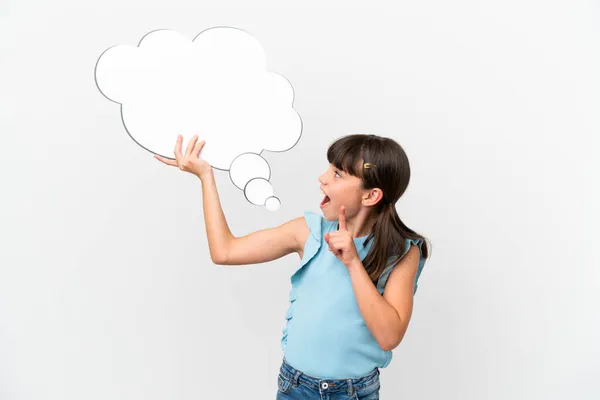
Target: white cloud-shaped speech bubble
point(215, 86)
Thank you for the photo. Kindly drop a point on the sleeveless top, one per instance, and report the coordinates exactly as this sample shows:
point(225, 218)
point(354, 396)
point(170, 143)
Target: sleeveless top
point(325, 334)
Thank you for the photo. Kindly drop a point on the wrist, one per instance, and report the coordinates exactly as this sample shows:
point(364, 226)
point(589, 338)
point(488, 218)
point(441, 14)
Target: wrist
point(355, 264)
point(204, 176)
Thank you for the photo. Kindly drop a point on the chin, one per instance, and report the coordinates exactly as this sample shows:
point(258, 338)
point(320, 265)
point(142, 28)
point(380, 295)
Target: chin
point(326, 211)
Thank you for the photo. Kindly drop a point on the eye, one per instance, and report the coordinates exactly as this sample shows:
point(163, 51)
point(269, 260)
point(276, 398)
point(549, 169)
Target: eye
point(338, 173)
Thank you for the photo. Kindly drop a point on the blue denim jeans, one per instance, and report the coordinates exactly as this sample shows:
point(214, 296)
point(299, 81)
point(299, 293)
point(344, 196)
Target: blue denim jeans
point(296, 385)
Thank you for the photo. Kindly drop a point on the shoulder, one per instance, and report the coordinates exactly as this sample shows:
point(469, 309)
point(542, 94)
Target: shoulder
point(405, 268)
point(408, 264)
point(316, 224)
point(400, 285)
point(310, 225)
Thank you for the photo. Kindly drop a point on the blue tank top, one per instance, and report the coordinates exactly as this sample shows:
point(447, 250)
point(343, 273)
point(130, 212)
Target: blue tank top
point(325, 334)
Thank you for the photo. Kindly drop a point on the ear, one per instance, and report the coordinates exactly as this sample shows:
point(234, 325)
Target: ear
point(373, 197)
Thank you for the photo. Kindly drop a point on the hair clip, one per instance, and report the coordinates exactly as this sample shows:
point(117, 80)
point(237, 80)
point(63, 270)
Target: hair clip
point(367, 165)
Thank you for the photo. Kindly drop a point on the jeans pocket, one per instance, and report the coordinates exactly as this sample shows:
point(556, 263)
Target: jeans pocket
point(370, 392)
point(283, 384)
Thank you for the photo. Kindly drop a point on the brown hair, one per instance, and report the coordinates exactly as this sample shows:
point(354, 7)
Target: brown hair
point(391, 174)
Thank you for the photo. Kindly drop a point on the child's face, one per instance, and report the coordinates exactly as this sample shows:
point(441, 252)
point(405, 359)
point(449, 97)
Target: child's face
point(342, 189)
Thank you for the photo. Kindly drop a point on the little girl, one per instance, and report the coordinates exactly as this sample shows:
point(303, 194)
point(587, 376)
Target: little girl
point(352, 293)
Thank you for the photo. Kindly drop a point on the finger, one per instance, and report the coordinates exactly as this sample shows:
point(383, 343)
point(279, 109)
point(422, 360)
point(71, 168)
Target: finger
point(329, 241)
point(191, 145)
point(178, 149)
point(342, 220)
point(337, 248)
point(335, 243)
point(343, 240)
point(198, 148)
point(334, 235)
point(167, 161)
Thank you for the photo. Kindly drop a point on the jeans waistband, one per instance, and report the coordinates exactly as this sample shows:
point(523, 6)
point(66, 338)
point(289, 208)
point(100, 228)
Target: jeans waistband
point(347, 384)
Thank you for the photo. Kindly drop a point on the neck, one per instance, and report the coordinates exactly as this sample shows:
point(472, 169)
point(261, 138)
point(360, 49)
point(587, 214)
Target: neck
point(360, 225)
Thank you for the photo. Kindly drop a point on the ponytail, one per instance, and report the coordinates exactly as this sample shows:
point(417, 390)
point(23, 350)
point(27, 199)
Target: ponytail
point(389, 240)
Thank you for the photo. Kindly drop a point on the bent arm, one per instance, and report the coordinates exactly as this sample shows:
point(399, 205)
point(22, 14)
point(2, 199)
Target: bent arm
point(257, 247)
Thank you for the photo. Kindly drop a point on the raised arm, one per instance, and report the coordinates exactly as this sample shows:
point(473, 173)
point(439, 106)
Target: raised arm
point(257, 247)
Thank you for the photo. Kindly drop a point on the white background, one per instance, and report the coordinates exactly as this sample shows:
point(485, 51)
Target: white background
point(107, 290)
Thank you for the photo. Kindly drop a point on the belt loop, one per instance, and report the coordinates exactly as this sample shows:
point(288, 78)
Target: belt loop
point(350, 387)
point(296, 377)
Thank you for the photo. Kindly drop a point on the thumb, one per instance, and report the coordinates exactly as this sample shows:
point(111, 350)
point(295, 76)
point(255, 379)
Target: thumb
point(326, 237)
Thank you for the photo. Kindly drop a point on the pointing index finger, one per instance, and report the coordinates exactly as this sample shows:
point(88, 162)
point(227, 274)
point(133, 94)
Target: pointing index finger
point(342, 218)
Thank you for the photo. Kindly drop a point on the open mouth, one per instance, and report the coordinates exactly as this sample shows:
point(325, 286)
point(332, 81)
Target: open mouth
point(325, 201)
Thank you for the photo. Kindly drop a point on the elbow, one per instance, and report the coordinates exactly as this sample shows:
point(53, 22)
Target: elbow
point(218, 260)
point(390, 342)
point(388, 346)
point(220, 254)
point(393, 335)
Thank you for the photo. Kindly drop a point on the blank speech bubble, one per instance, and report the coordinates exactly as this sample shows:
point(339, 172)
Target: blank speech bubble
point(215, 86)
